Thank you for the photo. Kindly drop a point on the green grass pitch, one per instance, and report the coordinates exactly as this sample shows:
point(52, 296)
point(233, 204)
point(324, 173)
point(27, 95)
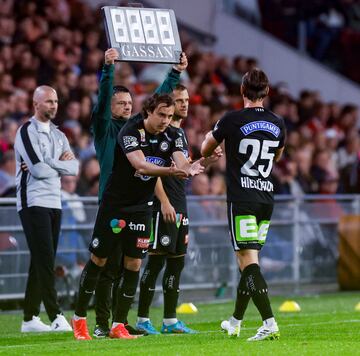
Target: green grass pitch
point(326, 325)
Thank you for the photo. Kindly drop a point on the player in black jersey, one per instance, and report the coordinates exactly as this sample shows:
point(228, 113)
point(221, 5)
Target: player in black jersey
point(143, 149)
point(169, 239)
point(254, 138)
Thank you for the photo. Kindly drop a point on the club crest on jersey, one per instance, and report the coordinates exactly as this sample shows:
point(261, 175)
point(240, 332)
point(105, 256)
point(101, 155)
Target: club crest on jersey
point(260, 126)
point(117, 225)
point(164, 146)
point(130, 141)
point(154, 160)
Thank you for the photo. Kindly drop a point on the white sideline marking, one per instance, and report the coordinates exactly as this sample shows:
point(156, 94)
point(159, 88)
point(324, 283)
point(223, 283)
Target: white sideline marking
point(205, 332)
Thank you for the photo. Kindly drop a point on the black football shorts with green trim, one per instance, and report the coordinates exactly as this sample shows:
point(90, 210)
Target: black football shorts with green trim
point(249, 224)
point(171, 238)
point(113, 226)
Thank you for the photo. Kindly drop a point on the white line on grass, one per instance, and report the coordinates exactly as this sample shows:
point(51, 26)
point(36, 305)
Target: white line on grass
point(204, 332)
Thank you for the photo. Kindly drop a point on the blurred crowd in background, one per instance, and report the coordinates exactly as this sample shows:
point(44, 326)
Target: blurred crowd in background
point(329, 30)
point(61, 43)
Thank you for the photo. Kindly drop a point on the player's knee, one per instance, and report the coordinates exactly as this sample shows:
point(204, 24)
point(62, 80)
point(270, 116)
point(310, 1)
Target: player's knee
point(90, 275)
point(152, 270)
point(246, 258)
point(98, 260)
point(132, 264)
point(175, 264)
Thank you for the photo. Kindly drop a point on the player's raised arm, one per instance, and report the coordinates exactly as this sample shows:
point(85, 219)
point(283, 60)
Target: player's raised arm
point(173, 77)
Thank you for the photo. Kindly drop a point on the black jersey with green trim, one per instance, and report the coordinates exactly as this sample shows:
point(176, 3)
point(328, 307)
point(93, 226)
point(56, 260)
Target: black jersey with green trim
point(252, 136)
point(175, 187)
point(127, 189)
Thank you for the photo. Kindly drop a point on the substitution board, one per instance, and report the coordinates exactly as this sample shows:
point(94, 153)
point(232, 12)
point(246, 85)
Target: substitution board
point(143, 34)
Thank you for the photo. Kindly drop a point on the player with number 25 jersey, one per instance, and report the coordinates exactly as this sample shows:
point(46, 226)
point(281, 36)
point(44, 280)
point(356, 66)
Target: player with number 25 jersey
point(254, 138)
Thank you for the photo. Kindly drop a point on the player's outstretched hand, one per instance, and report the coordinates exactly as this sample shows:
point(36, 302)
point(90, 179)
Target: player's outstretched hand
point(111, 55)
point(168, 212)
point(214, 157)
point(176, 172)
point(197, 167)
point(183, 63)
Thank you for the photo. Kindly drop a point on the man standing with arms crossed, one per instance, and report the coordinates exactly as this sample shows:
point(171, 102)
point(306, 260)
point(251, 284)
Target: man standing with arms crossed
point(254, 138)
point(112, 111)
point(170, 235)
point(47, 155)
point(124, 216)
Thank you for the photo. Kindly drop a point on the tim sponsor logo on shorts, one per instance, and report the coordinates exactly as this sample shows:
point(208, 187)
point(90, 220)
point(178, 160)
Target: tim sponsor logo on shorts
point(259, 184)
point(142, 242)
point(185, 221)
point(136, 227)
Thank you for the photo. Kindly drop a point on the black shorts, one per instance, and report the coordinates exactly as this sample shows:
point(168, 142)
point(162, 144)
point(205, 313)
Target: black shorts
point(249, 224)
point(112, 227)
point(171, 238)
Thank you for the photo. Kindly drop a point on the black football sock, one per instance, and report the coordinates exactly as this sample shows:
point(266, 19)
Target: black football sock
point(171, 281)
point(258, 290)
point(242, 298)
point(126, 295)
point(147, 283)
point(88, 281)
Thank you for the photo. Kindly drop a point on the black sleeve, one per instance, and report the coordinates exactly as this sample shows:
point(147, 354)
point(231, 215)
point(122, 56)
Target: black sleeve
point(220, 129)
point(129, 139)
point(178, 143)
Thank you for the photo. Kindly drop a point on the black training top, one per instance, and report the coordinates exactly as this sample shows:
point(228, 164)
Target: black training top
point(175, 187)
point(126, 189)
point(252, 136)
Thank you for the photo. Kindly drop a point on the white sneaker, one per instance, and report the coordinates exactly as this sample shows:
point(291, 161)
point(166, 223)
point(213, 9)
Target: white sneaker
point(60, 324)
point(266, 333)
point(34, 326)
point(232, 330)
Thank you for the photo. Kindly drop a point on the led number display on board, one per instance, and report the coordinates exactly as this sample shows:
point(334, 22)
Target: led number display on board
point(143, 35)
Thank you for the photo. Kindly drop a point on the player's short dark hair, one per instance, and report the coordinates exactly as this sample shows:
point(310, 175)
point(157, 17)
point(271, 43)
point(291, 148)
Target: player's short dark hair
point(180, 87)
point(120, 89)
point(154, 101)
point(255, 84)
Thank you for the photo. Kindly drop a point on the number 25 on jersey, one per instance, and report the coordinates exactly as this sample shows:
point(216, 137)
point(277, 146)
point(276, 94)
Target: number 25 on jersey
point(259, 151)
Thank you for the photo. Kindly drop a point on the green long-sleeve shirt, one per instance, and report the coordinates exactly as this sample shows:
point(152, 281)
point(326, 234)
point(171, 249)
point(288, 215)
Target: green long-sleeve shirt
point(105, 128)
